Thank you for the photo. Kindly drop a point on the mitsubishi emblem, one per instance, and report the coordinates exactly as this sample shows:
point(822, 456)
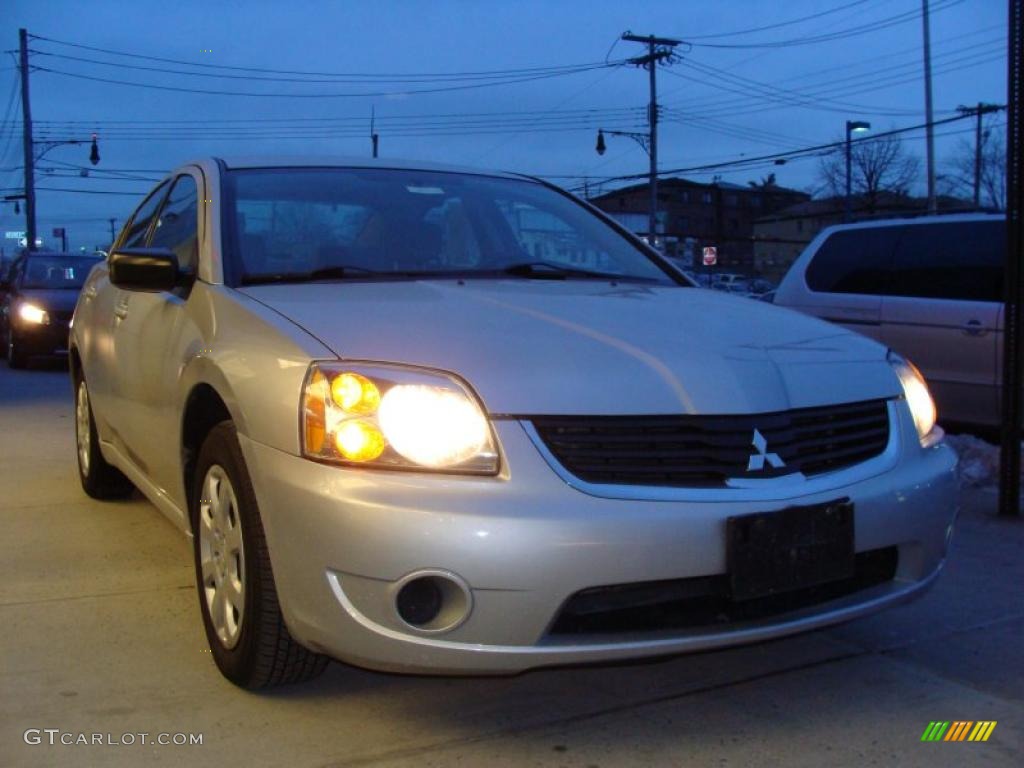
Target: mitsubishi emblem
point(757, 460)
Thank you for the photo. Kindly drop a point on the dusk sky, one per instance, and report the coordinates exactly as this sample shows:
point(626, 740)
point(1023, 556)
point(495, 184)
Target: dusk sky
point(732, 94)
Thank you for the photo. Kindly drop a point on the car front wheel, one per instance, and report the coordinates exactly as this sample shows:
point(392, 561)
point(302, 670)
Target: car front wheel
point(99, 479)
point(248, 638)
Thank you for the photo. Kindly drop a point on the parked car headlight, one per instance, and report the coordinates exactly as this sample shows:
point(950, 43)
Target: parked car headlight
point(394, 417)
point(30, 313)
point(915, 390)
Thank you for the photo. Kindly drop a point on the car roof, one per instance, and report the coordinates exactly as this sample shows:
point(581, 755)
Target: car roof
point(341, 161)
point(946, 218)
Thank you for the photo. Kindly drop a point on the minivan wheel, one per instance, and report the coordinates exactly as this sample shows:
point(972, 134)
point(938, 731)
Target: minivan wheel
point(99, 479)
point(249, 641)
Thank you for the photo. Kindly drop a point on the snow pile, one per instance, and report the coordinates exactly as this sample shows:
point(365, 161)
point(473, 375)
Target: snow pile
point(979, 460)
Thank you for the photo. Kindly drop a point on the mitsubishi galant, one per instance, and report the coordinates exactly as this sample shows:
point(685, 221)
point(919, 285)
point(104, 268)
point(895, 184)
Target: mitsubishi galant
point(428, 419)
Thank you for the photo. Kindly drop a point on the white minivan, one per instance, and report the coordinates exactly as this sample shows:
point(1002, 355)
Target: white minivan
point(930, 288)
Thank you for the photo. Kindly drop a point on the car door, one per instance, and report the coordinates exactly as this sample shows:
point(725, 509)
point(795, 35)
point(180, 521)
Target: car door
point(151, 332)
point(106, 304)
point(846, 277)
point(942, 312)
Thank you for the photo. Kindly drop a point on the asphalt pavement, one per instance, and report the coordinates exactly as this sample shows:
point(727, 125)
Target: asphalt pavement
point(100, 636)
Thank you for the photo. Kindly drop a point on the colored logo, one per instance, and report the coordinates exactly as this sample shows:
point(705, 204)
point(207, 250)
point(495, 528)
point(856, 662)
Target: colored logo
point(958, 730)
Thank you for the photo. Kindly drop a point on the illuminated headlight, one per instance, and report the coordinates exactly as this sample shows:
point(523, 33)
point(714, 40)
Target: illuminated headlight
point(30, 313)
point(915, 390)
point(394, 417)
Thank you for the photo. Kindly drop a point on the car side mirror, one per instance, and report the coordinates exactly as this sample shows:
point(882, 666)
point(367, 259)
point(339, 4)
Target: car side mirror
point(145, 269)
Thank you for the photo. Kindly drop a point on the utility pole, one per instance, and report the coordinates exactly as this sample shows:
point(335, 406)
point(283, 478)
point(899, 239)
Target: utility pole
point(26, 115)
point(650, 61)
point(113, 234)
point(1013, 311)
point(929, 129)
point(978, 111)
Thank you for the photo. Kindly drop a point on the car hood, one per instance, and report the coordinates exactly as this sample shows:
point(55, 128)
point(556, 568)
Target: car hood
point(584, 347)
point(50, 299)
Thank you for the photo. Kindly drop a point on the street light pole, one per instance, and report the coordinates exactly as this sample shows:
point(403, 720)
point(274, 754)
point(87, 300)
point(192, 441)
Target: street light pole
point(852, 126)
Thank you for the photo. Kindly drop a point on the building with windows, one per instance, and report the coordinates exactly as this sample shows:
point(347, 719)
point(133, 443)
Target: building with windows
point(692, 215)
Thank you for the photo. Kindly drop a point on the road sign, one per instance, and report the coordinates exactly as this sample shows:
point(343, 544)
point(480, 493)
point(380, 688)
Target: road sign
point(14, 235)
point(710, 255)
point(58, 231)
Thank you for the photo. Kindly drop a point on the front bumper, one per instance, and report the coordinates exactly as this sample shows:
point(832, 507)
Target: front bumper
point(341, 541)
point(42, 338)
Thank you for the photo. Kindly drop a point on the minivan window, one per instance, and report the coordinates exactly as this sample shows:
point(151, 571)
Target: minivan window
point(956, 260)
point(853, 261)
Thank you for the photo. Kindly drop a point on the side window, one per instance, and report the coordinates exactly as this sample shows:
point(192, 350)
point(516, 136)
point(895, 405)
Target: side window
point(135, 237)
point(853, 261)
point(957, 260)
point(177, 225)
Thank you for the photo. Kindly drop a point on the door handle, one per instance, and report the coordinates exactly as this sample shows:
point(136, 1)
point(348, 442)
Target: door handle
point(974, 328)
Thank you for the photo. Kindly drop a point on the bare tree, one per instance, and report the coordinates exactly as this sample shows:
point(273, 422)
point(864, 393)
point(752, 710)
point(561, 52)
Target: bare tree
point(877, 166)
point(959, 170)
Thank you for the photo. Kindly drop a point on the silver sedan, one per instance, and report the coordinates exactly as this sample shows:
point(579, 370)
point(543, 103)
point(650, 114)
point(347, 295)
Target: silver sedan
point(427, 419)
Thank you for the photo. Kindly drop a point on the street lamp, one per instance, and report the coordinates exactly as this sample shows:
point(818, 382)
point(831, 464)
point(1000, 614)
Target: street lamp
point(31, 158)
point(644, 140)
point(852, 127)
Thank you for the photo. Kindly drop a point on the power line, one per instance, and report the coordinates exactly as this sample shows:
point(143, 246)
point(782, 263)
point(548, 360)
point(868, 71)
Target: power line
point(367, 75)
point(365, 94)
point(766, 92)
point(863, 29)
point(800, 20)
point(319, 81)
point(361, 119)
point(90, 191)
point(791, 154)
point(952, 65)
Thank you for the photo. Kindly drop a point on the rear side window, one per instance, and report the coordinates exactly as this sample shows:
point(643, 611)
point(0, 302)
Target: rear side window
point(959, 260)
point(853, 261)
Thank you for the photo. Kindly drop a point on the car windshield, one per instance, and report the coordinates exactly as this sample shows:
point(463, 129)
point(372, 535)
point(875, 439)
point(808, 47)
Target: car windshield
point(56, 271)
point(294, 225)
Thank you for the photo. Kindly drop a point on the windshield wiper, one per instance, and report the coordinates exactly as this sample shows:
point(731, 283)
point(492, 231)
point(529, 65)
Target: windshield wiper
point(546, 270)
point(339, 271)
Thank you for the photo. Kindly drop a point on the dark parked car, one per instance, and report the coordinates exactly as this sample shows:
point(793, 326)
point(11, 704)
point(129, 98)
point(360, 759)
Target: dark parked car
point(40, 293)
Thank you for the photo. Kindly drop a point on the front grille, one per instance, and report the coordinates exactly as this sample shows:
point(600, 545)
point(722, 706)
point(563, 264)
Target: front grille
point(704, 601)
point(705, 451)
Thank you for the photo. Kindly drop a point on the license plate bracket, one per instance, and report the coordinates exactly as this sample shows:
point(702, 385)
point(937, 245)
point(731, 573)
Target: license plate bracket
point(770, 553)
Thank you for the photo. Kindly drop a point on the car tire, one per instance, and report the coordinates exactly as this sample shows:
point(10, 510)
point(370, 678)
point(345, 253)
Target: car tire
point(249, 641)
point(99, 479)
point(17, 355)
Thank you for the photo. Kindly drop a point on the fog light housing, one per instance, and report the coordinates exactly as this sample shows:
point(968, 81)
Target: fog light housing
point(419, 601)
